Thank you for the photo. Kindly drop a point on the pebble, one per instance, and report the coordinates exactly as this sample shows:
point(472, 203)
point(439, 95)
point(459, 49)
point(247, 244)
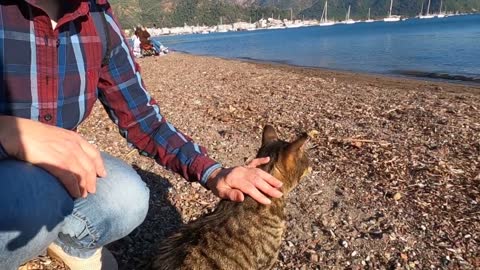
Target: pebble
point(314, 258)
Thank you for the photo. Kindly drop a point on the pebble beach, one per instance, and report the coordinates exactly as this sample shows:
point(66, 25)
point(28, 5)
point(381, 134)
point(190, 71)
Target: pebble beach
point(396, 161)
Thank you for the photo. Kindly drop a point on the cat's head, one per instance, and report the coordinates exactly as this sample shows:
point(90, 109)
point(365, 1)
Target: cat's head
point(288, 160)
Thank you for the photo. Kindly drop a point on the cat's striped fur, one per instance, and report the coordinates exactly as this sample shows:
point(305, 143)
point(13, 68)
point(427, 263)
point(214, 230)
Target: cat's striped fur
point(244, 235)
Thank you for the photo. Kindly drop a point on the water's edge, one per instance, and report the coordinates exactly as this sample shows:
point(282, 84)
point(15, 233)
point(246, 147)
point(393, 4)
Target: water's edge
point(410, 74)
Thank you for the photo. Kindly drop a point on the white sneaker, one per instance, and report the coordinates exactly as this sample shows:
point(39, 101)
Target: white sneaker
point(102, 259)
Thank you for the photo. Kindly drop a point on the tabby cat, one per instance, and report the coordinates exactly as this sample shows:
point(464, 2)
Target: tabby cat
point(236, 235)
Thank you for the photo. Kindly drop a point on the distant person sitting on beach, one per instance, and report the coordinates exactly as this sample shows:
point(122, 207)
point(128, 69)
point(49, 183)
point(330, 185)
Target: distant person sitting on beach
point(147, 44)
point(58, 190)
point(137, 50)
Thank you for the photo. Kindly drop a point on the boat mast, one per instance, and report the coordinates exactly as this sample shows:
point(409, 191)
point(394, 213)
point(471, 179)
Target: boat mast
point(369, 14)
point(322, 19)
point(348, 14)
point(326, 11)
point(441, 4)
point(391, 5)
point(428, 8)
point(421, 10)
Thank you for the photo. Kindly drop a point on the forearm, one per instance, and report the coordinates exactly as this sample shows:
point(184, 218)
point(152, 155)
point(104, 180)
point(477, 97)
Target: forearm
point(171, 148)
point(137, 114)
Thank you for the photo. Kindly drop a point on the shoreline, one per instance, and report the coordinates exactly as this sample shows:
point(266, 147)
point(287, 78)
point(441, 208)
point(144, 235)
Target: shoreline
point(410, 75)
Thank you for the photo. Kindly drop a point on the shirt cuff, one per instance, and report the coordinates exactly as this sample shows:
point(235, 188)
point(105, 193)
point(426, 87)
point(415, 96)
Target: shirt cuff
point(3, 153)
point(208, 172)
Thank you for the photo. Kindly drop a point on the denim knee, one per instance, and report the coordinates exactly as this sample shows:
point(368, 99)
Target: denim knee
point(119, 205)
point(129, 197)
point(33, 208)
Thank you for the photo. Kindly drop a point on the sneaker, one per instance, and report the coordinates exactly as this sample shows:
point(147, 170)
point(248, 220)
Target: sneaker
point(102, 259)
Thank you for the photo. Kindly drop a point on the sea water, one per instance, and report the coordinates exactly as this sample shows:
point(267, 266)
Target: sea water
point(446, 48)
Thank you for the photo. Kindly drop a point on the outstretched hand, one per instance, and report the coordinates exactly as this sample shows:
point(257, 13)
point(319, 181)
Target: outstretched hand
point(233, 183)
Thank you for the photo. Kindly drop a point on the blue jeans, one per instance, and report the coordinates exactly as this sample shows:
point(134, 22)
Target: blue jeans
point(36, 210)
point(156, 45)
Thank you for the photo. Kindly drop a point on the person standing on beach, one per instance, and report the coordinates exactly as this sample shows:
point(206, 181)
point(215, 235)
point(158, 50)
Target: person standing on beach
point(58, 191)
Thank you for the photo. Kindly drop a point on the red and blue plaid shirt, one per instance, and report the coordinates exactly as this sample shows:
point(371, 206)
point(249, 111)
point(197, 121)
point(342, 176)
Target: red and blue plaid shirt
point(56, 75)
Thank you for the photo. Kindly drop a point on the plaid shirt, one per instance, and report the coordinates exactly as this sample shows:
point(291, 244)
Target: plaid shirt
point(55, 76)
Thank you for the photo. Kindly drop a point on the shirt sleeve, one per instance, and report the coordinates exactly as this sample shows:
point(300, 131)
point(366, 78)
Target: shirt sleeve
point(137, 114)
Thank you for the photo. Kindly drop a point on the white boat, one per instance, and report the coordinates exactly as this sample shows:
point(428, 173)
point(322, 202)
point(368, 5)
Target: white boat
point(428, 15)
point(347, 17)
point(369, 20)
point(294, 25)
point(276, 27)
point(324, 19)
point(391, 18)
point(326, 24)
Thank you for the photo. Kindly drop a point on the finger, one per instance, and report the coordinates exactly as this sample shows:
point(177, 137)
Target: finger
point(70, 182)
point(75, 166)
point(94, 154)
point(231, 194)
point(66, 177)
point(269, 178)
point(258, 161)
point(80, 164)
point(235, 195)
point(267, 189)
point(88, 170)
point(251, 190)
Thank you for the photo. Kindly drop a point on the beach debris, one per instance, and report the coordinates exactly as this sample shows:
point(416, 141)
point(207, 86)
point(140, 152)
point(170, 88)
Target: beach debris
point(397, 196)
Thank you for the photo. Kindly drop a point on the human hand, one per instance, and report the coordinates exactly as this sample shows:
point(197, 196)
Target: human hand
point(232, 183)
point(63, 153)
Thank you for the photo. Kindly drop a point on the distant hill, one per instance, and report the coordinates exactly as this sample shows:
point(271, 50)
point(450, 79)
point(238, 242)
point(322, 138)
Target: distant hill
point(379, 8)
point(167, 13)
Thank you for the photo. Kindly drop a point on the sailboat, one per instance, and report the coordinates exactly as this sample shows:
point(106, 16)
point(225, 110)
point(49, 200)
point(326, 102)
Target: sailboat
point(293, 23)
point(441, 14)
point(369, 20)
point(428, 15)
point(324, 19)
point(391, 18)
point(347, 17)
point(221, 28)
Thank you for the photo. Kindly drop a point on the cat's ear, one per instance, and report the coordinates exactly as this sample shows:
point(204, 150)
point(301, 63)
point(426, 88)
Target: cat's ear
point(298, 145)
point(269, 135)
point(294, 150)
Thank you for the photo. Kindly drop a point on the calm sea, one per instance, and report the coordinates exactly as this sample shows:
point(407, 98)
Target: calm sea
point(447, 48)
